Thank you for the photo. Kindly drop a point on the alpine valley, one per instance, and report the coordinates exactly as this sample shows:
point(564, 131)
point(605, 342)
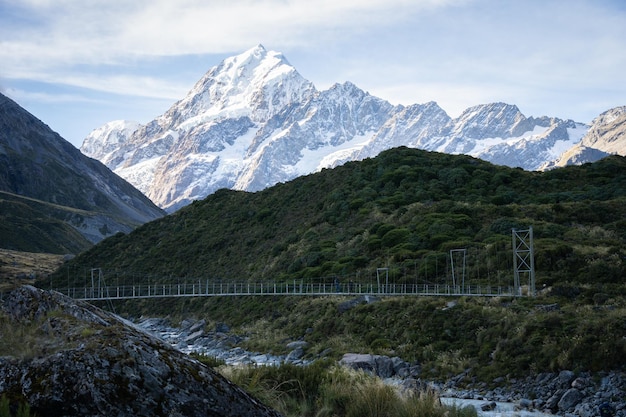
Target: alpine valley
point(253, 121)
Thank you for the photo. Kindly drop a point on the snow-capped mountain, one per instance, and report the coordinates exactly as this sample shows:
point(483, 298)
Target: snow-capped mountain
point(253, 121)
point(606, 136)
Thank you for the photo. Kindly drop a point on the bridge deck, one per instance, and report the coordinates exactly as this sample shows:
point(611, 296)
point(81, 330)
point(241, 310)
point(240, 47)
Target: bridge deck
point(295, 289)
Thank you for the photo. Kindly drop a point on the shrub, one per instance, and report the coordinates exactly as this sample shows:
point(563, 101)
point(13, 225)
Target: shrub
point(324, 390)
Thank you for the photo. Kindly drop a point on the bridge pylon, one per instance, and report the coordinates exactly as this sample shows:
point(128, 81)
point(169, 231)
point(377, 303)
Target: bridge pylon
point(523, 260)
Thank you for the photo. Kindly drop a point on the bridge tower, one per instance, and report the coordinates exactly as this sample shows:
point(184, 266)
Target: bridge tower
point(97, 290)
point(523, 260)
point(460, 255)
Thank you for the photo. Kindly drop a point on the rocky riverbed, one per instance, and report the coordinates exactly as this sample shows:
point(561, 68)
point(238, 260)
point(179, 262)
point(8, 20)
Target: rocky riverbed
point(565, 393)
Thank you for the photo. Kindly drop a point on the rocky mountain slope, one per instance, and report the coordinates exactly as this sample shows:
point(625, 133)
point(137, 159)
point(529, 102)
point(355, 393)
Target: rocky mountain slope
point(254, 121)
point(606, 136)
point(68, 358)
point(53, 198)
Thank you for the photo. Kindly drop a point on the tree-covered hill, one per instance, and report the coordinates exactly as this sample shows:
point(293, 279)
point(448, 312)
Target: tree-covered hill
point(403, 210)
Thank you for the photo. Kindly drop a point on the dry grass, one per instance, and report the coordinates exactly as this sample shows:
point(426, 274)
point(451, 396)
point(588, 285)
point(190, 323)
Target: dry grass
point(334, 391)
point(21, 268)
point(29, 339)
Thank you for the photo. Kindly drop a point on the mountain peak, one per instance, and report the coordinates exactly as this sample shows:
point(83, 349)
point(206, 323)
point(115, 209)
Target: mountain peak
point(255, 83)
point(608, 132)
point(500, 119)
point(103, 141)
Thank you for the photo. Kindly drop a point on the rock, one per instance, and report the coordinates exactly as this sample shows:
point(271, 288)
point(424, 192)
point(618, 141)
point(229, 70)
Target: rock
point(413, 385)
point(525, 404)
point(488, 406)
point(552, 403)
point(579, 383)
point(384, 366)
point(260, 359)
point(364, 299)
point(297, 344)
point(198, 326)
point(222, 328)
point(415, 371)
point(378, 365)
point(295, 355)
point(98, 364)
point(194, 336)
point(399, 366)
point(358, 361)
point(571, 397)
point(586, 410)
point(565, 378)
point(325, 353)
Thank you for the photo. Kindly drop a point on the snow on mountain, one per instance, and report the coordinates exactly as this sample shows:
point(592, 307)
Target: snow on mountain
point(102, 143)
point(606, 136)
point(329, 122)
point(253, 121)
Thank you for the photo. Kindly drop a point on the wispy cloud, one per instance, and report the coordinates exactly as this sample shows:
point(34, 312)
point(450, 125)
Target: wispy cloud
point(46, 40)
point(539, 54)
point(70, 31)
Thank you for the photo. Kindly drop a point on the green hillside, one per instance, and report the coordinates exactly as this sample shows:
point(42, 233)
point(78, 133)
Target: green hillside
point(404, 210)
point(31, 225)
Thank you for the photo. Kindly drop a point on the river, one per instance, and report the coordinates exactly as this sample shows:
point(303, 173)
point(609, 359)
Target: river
point(501, 410)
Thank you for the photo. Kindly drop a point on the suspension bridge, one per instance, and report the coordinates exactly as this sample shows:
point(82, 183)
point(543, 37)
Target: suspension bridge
point(523, 257)
point(234, 289)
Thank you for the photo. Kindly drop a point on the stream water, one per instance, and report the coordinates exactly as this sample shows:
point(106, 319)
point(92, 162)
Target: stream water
point(501, 410)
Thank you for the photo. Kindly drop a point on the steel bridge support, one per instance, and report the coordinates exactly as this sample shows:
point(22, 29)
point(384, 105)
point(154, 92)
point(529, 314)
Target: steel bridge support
point(523, 260)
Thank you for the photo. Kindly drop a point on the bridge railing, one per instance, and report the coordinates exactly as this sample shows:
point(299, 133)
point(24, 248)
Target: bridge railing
point(209, 289)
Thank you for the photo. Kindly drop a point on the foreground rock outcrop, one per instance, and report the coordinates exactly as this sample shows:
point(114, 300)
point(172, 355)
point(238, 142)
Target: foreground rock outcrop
point(68, 358)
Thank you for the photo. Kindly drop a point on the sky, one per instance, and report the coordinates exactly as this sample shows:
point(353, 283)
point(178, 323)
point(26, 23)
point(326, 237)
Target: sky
point(77, 64)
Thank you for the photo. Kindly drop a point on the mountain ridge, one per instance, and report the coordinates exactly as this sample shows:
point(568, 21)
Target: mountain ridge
point(38, 167)
point(253, 121)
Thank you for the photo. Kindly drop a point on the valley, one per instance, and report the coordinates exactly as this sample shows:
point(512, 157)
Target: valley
point(270, 183)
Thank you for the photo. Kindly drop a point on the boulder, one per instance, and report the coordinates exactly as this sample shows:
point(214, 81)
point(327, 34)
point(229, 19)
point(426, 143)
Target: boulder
point(552, 403)
point(488, 406)
point(194, 336)
point(384, 366)
point(378, 365)
point(197, 326)
point(84, 361)
point(569, 400)
point(364, 362)
point(364, 299)
point(579, 383)
point(565, 379)
point(295, 355)
point(297, 344)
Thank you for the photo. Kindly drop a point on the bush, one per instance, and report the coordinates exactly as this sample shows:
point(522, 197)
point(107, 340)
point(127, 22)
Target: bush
point(324, 390)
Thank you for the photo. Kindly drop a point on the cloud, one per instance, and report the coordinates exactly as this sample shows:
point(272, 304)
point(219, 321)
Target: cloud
point(21, 95)
point(412, 50)
point(64, 41)
point(111, 31)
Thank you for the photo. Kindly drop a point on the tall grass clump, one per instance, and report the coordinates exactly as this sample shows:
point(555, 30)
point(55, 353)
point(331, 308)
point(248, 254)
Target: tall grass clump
point(325, 390)
point(21, 410)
